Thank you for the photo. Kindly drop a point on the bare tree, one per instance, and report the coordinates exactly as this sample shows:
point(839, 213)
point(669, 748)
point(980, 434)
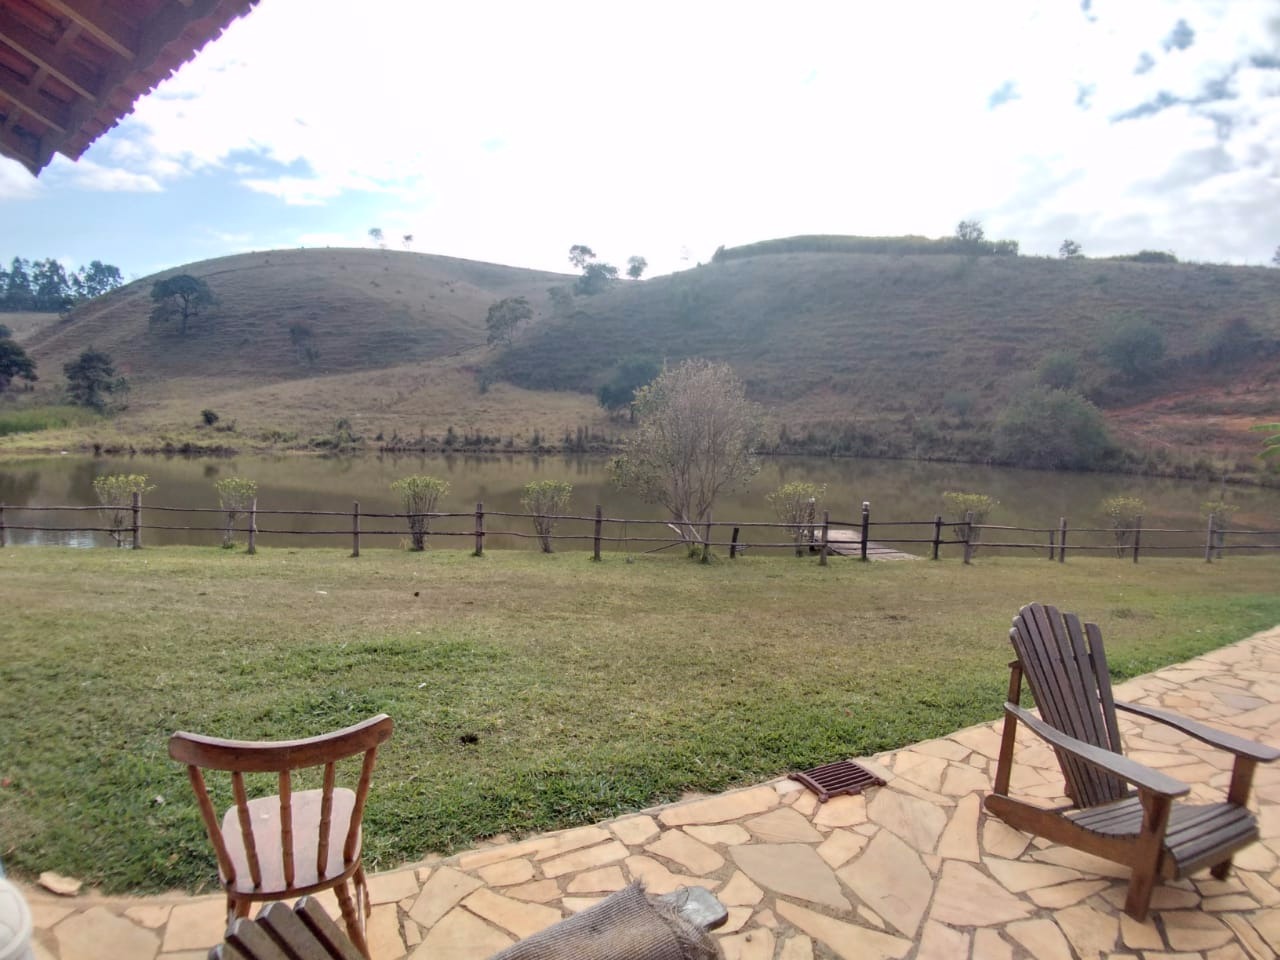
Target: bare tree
point(696, 438)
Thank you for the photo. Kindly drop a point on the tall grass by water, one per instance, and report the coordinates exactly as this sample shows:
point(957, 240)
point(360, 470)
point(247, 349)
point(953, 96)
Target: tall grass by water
point(34, 419)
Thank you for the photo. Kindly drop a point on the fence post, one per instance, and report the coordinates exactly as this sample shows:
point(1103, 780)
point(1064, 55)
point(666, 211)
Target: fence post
point(826, 529)
point(1137, 536)
point(866, 528)
point(706, 542)
point(253, 526)
point(355, 528)
point(733, 544)
point(968, 536)
point(937, 535)
point(1208, 542)
point(1053, 543)
point(137, 520)
point(1062, 539)
point(599, 524)
point(2, 525)
point(479, 530)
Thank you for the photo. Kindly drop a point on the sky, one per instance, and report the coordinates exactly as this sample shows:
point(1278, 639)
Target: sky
point(510, 131)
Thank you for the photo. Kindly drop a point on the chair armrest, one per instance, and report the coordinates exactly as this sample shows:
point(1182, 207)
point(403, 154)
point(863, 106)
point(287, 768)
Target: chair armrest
point(1204, 733)
point(1128, 770)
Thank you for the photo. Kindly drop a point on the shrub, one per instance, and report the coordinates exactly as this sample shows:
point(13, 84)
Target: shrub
point(544, 499)
point(1051, 429)
point(1124, 515)
point(1135, 348)
point(796, 505)
point(963, 504)
point(1058, 370)
point(115, 498)
point(419, 495)
point(235, 496)
point(209, 417)
point(1221, 512)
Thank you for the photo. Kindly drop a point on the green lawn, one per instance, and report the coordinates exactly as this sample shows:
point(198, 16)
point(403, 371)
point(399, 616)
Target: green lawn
point(588, 689)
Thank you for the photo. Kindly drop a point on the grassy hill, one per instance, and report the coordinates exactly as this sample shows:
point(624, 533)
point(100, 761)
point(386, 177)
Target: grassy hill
point(900, 354)
point(914, 355)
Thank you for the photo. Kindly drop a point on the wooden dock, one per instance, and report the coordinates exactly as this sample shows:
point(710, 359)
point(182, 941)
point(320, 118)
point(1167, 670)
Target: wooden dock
point(847, 542)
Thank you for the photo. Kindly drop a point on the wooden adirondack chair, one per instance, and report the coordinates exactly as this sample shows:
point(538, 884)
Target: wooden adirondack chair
point(1066, 668)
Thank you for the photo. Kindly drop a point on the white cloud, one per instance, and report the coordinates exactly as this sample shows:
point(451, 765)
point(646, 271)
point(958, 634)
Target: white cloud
point(509, 131)
point(16, 182)
point(87, 175)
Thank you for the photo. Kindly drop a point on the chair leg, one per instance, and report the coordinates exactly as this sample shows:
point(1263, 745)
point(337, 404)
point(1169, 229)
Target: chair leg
point(362, 891)
point(351, 917)
point(1149, 850)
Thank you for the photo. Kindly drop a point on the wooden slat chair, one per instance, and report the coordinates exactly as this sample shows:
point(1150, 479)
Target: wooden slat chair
point(1066, 667)
point(291, 843)
point(278, 933)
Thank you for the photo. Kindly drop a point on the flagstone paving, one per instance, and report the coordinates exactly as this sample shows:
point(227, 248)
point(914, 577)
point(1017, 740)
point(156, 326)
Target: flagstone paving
point(914, 870)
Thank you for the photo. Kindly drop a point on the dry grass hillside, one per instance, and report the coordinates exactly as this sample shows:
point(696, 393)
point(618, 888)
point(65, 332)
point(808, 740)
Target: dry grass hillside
point(389, 342)
point(915, 355)
point(871, 353)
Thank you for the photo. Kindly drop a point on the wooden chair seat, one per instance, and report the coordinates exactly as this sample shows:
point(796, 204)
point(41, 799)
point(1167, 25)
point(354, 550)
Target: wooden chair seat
point(1154, 832)
point(264, 814)
point(1198, 835)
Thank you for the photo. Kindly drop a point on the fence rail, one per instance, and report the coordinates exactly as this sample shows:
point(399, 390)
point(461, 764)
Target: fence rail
point(126, 523)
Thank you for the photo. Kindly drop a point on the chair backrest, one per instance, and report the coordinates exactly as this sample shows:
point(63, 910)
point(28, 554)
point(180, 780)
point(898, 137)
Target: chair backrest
point(239, 757)
point(1066, 667)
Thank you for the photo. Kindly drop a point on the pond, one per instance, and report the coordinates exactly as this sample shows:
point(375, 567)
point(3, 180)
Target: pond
point(896, 490)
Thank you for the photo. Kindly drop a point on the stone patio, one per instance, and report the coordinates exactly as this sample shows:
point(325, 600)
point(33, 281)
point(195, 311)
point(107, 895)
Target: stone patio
point(913, 870)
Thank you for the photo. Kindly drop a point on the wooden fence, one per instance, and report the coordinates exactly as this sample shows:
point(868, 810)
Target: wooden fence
point(861, 537)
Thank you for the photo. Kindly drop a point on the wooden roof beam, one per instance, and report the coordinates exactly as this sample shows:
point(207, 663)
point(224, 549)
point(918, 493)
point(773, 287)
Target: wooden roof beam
point(21, 148)
point(161, 29)
point(103, 22)
point(48, 55)
point(31, 99)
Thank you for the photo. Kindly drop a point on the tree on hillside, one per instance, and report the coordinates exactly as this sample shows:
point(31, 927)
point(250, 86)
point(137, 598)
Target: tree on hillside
point(504, 316)
point(580, 255)
point(96, 279)
point(1275, 258)
point(595, 278)
point(375, 234)
point(1070, 250)
point(50, 285)
point(181, 296)
point(696, 439)
point(17, 289)
point(14, 363)
point(1135, 348)
point(970, 231)
point(617, 394)
point(636, 266)
point(407, 240)
point(92, 381)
